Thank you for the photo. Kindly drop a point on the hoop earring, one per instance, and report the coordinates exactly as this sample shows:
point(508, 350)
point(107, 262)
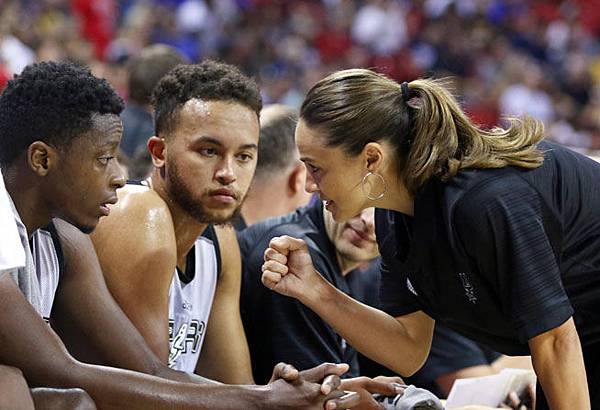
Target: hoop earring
point(368, 194)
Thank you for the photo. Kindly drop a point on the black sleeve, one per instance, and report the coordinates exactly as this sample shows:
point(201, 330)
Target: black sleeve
point(394, 295)
point(451, 352)
point(504, 228)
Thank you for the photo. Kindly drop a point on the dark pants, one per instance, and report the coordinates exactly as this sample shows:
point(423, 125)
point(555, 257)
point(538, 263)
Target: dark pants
point(591, 357)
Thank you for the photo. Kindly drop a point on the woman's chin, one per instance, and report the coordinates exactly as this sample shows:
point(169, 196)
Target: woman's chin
point(340, 216)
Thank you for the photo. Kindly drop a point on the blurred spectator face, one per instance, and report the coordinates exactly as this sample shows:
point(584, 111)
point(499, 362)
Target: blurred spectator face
point(210, 157)
point(354, 239)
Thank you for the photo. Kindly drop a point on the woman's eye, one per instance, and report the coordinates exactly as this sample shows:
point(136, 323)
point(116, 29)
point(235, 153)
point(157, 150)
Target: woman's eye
point(245, 157)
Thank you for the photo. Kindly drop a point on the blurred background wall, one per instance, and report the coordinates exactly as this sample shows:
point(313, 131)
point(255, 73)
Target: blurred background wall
point(505, 57)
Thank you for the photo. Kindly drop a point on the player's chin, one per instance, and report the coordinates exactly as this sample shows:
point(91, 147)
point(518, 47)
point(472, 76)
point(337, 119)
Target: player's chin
point(86, 228)
point(222, 216)
point(85, 224)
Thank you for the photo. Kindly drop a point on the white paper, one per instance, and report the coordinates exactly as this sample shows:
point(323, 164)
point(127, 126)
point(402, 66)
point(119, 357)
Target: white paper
point(489, 390)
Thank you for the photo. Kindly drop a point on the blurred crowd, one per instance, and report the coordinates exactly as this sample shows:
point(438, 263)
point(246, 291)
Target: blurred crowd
point(502, 57)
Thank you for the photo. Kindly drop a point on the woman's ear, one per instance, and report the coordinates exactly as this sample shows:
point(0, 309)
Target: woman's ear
point(373, 154)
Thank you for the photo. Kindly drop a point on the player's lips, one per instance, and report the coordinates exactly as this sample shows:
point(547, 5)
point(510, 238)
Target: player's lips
point(224, 195)
point(104, 208)
point(329, 204)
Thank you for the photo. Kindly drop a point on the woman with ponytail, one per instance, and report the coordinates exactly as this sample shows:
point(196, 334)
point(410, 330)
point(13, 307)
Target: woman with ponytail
point(495, 233)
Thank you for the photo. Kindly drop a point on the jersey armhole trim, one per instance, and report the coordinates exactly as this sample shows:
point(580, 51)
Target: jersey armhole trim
point(57, 246)
point(210, 233)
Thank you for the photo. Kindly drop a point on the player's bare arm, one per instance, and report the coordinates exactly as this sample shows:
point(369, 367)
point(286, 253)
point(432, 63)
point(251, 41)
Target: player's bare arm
point(31, 346)
point(225, 355)
point(137, 253)
point(14, 392)
point(92, 325)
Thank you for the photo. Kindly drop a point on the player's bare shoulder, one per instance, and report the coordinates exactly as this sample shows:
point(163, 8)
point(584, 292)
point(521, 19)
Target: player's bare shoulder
point(226, 234)
point(139, 208)
point(227, 238)
point(140, 220)
point(137, 201)
point(229, 249)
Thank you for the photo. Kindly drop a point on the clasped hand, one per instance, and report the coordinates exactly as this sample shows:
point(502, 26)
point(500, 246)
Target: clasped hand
point(321, 387)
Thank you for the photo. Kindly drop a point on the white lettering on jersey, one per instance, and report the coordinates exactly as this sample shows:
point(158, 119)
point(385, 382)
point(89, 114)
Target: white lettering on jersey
point(187, 339)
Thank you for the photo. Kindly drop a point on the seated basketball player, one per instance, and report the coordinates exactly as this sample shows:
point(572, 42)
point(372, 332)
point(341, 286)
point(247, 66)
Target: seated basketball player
point(160, 239)
point(59, 133)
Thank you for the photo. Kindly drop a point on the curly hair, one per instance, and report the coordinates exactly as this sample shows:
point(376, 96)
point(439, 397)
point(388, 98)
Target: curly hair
point(51, 102)
point(210, 81)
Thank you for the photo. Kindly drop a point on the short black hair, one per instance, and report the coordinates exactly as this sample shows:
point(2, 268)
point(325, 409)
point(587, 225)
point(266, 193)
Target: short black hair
point(209, 81)
point(51, 102)
point(276, 146)
point(146, 70)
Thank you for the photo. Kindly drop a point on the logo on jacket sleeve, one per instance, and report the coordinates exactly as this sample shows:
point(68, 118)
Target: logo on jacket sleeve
point(410, 287)
point(468, 287)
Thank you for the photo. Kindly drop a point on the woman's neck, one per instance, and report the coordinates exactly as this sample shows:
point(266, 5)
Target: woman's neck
point(396, 196)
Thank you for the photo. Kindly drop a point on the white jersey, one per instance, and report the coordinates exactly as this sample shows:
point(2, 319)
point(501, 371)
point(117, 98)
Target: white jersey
point(190, 301)
point(47, 267)
point(38, 279)
point(12, 254)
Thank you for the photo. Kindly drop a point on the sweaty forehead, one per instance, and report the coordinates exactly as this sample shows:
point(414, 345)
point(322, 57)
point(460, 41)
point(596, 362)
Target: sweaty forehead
point(197, 108)
point(216, 118)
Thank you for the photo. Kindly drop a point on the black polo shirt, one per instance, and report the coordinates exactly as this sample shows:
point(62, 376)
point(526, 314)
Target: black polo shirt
point(500, 255)
point(280, 328)
point(450, 352)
